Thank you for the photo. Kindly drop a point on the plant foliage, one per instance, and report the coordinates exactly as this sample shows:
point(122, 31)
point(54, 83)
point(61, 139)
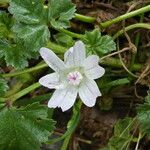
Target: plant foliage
point(60, 12)
point(97, 43)
point(122, 136)
point(3, 86)
point(24, 128)
point(144, 115)
point(22, 35)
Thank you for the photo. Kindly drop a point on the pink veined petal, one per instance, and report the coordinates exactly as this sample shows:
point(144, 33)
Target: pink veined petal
point(68, 57)
point(76, 54)
point(51, 59)
point(92, 68)
point(69, 99)
point(88, 92)
point(55, 99)
point(51, 81)
point(63, 98)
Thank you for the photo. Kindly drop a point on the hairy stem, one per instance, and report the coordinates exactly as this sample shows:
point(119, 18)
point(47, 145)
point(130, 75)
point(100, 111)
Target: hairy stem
point(4, 3)
point(8, 75)
point(57, 48)
point(72, 34)
point(72, 124)
point(23, 92)
point(137, 39)
point(83, 18)
point(66, 142)
point(125, 16)
point(114, 62)
point(130, 27)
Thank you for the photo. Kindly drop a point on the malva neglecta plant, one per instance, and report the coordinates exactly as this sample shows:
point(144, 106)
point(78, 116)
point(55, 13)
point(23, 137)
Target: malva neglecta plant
point(90, 69)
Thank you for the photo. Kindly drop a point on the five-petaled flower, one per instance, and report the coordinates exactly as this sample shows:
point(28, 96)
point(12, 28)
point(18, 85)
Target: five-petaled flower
point(72, 77)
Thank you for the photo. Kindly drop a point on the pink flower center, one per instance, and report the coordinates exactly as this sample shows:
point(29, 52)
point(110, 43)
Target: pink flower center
point(74, 78)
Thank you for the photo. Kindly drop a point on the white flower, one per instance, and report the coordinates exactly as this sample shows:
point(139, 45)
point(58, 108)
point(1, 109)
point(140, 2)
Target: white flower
point(73, 76)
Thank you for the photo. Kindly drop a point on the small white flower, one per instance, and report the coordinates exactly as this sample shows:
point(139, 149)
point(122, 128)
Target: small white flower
point(73, 76)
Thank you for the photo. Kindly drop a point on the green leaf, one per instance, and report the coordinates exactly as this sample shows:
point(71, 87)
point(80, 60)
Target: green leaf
point(24, 128)
point(29, 11)
point(122, 136)
point(30, 32)
point(144, 115)
point(64, 40)
point(33, 37)
point(5, 24)
point(60, 12)
point(14, 55)
point(3, 86)
point(95, 42)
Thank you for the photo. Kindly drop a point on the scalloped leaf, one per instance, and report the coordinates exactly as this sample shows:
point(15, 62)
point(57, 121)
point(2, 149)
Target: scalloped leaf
point(3, 86)
point(95, 42)
point(60, 12)
point(25, 128)
point(144, 115)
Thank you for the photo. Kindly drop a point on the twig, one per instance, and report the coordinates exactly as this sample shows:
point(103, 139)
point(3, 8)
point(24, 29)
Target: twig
point(143, 74)
point(112, 54)
point(131, 27)
point(124, 66)
point(139, 138)
point(76, 138)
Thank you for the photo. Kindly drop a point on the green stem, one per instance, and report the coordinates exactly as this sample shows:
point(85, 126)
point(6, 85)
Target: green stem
point(133, 26)
point(115, 83)
point(4, 3)
point(72, 124)
point(137, 39)
point(125, 16)
point(15, 88)
point(26, 101)
point(23, 92)
point(72, 34)
point(66, 142)
point(8, 75)
point(114, 62)
point(83, 18)
point(56, 48)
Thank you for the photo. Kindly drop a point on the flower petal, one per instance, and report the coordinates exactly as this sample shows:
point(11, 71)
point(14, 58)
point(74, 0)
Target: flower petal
point(68, 57)
point(55, 99)
point(69, 99)
point(63, 98)
point(88, 92)
point(51, 59)
point(76, 54)
point(51, 81)
point(92, 68)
